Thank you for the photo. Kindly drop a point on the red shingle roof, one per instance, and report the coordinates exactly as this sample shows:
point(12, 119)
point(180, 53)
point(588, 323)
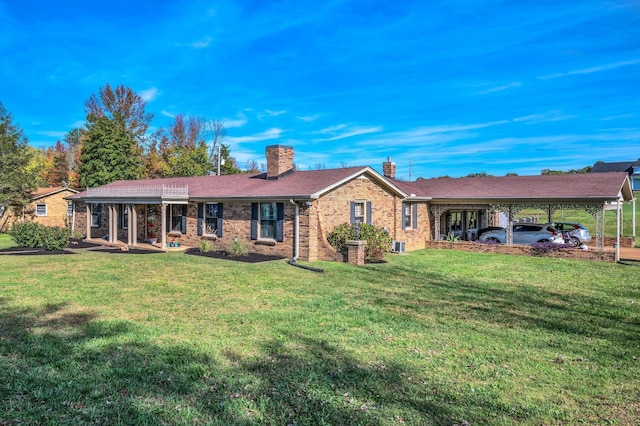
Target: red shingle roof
point(565, 186)
point(305, 184)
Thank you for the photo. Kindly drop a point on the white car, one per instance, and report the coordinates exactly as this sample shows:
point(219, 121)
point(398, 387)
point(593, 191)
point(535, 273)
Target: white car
point(525, 233)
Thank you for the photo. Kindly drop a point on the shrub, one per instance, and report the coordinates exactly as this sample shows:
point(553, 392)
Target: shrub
point(77, 235)
point(340, 234)
point(25, 234)
point(544, 247)
point(54, 238)
point(238, 248)
point(30, 234)
point(205, 246)
point(452, 238)
point(378, 239)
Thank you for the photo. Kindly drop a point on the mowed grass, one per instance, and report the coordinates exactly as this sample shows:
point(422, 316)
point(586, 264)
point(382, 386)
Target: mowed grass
point(430, 337)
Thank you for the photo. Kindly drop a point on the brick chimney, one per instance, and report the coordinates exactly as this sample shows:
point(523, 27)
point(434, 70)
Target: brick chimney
point(389, 169)
point(279, 161)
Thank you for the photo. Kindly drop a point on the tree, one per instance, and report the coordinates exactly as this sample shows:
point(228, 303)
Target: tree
point(16, 182)
point(480, 174)
point(586, 169)
point(116, 126)
point(109, 153)
point(511, 174)
point(74, 140)
point(58, 174)
point(123, 102)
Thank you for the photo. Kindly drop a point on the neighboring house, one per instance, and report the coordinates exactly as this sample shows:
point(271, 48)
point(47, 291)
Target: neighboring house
point(630, 167)
point(48, 207)
point(290, 212)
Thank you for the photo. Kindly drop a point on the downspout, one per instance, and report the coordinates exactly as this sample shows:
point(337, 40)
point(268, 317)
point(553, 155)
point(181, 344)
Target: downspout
point(296, 244)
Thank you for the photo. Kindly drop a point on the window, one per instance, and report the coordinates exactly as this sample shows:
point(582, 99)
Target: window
point(70, 209)
point(267, 220)
point(361, 211)
point(176, 220)
point(409, 216)
point(210, 219)
point(96, 215)
point(41, 209)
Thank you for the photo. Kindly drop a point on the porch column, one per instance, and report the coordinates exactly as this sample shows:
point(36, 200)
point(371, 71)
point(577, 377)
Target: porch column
point(133, 217)
point(113, 223)
point(89, 219)
point(129, 225)
point(163, 226)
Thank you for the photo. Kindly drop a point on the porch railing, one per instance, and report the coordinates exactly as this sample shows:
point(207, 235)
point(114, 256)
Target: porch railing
point(181, 191)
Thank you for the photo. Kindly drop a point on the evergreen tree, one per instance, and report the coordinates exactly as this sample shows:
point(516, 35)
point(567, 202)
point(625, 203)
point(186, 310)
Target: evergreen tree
point(16, 182)
point(109, 153)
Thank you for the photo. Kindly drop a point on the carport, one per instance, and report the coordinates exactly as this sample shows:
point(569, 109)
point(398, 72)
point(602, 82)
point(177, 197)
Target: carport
point(593, 193)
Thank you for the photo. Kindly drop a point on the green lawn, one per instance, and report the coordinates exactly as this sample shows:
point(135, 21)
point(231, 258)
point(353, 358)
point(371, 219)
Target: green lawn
point(431, 337)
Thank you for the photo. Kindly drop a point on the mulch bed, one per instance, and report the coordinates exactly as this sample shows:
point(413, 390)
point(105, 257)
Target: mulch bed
point(31, 251)
point(249, 258)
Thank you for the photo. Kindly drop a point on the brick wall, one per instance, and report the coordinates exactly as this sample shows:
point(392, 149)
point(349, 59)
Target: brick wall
point(56, 212)
point(279, 160)
point(523, 250)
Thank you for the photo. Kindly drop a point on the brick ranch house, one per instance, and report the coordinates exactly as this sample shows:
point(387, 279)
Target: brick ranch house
point(289, 212)
point(48, 207)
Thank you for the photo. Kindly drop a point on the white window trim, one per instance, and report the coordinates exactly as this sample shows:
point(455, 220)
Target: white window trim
point(46, 210)
point(408, 216)
point(364, 211)
point(274, 220)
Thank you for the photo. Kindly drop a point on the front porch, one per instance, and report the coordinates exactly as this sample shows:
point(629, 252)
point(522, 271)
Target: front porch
point(152, 215)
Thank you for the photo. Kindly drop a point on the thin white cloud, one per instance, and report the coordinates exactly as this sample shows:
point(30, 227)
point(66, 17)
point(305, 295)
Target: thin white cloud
point(605, 67)
point(271, 113)
point(355, 131)
point(308, 118)
point(149, 94)
point(555, 115)
point(499, 88)
point(239, 121)
point(168, 114)
point(52, 133)
point(274, 133)
point(332, 129)
point(202, 43)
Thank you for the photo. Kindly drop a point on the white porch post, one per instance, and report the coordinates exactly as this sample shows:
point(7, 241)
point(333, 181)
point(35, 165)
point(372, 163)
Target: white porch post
point(129, 225)
point(89, 220)
point(618, 230)
point(111, 227)
point(133, 217)
point(163, 226)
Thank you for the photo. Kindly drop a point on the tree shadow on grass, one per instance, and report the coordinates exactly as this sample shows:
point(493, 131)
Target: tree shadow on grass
point(62, 366)
point(531, 307)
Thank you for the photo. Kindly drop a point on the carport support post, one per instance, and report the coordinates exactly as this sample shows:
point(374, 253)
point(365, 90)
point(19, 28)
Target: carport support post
point(618, 230)
point(510, 226)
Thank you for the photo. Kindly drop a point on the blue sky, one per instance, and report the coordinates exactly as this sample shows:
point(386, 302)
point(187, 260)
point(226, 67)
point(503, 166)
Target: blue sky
point(448, 87)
